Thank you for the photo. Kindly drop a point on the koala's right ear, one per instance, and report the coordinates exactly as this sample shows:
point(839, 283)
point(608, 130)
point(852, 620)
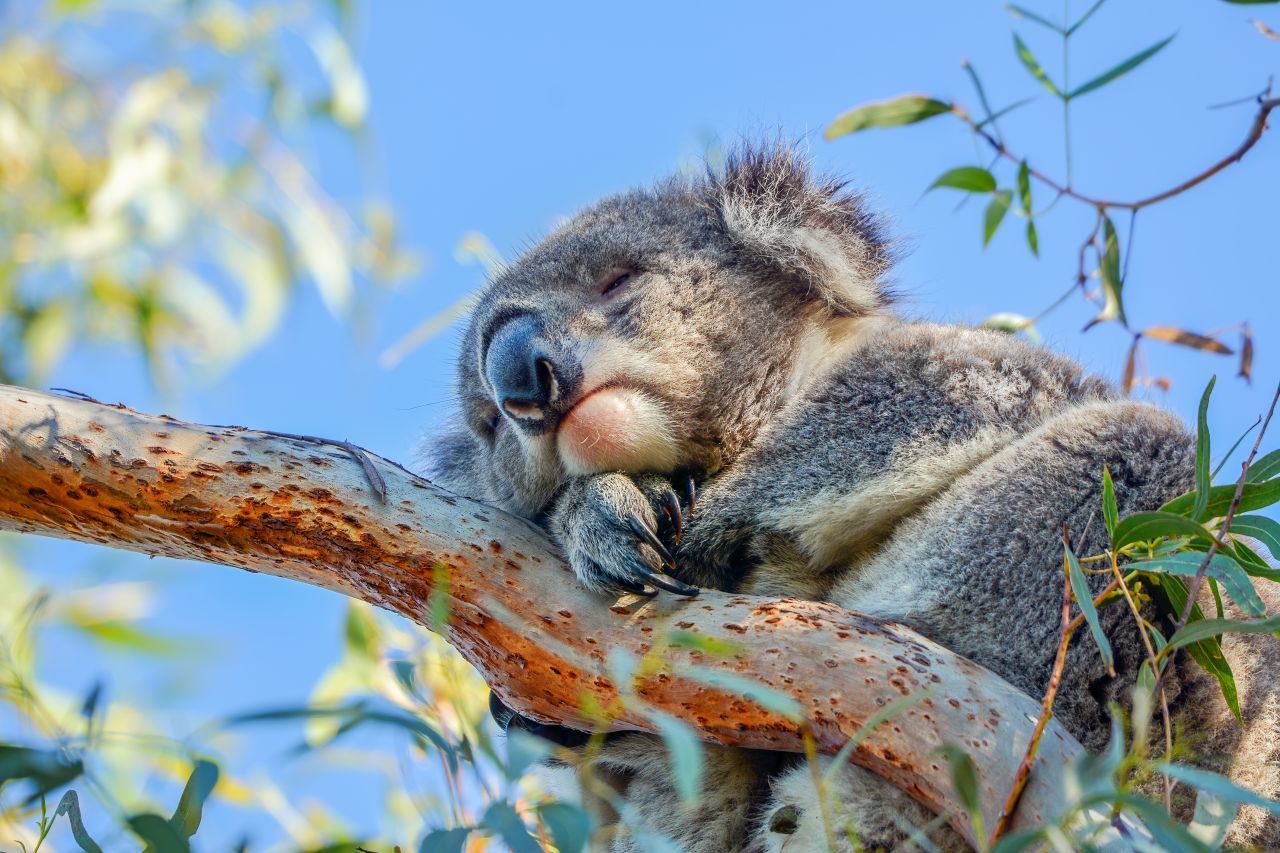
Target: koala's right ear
point(816, 232)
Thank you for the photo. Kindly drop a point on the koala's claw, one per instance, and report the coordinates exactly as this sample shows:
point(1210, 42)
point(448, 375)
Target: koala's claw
point(671, 508)
point(651, 539)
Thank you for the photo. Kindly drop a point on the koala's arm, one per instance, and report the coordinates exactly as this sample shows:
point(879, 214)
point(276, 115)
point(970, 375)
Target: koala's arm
point(869, 444)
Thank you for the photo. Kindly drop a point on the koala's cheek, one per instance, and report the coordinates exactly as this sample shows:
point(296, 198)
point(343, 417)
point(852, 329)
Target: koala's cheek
point(616, 429)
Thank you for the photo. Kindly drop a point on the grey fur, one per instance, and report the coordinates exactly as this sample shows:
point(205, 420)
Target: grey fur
point(922, 473)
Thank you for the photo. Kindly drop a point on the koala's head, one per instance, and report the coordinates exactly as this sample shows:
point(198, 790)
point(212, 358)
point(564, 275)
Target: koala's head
point(660, 329)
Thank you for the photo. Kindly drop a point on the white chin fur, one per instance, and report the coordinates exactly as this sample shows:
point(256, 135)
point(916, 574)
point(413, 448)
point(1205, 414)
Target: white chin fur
point(616, 429)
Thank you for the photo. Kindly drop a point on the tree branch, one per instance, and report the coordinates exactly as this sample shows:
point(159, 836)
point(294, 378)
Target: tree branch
point(77, 469)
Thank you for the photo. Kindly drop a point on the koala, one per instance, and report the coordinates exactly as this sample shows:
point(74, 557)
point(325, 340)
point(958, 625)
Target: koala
point(707, 384)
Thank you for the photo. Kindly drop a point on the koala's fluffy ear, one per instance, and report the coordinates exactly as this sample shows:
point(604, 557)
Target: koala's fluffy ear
point(814, 231)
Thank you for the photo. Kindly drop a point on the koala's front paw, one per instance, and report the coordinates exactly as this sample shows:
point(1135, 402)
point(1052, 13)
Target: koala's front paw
point(607, 525)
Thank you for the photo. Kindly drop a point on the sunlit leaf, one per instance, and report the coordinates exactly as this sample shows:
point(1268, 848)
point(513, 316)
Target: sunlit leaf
point(1024, 187)
point(186, 817)
point(906, 109)
point(1121, 69)
point(1145, 526)
point(1260, 527)
point(1264, 467)
point(1084, 598)
point(684, 750)
point(1109, 272)
point(1216, 784)
point(1033, 238)
point(1110, 513)
point(1203, 481)
point(972, 179)
point(703, 643)
point(748, 688)
point(1033, 66)
point(1255, 495)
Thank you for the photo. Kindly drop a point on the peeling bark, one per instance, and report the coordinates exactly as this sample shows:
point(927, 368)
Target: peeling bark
point(81, 470)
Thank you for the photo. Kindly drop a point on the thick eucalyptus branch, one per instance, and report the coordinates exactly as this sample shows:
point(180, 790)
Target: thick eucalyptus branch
point(77, 469)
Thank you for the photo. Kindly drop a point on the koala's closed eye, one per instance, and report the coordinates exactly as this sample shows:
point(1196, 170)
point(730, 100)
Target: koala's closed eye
point(613, 281)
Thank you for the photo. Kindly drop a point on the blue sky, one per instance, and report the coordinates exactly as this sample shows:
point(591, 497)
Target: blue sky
point(501, 118)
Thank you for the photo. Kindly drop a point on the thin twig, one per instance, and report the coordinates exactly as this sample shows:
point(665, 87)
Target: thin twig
point(1256, 130)
point(1023, 773)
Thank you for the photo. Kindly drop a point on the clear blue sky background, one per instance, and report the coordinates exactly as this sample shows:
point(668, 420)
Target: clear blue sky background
point(503, 117)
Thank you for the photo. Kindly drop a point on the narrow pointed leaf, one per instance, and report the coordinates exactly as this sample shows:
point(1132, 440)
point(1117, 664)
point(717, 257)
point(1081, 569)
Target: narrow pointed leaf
point(1203, 629)
point(1084, 598)
point(1264, 468)
point(1203, 483)
point(1121, 69)
point(996, 210)
point(1033, 66)
point(1085, 17)
point(1254, 496)
point(907, 109)
point(685, 753)
point(1217, 785)
point(1205, 646)
point(569, 826)
point(1033, 238)
point(1109, 272)
point(1024, 187)
point(69, 805)
point(186, 817)
point(445, 840)
point(1021, 12)
point(1265, 530)
point(504, 821)
point(1110, 513)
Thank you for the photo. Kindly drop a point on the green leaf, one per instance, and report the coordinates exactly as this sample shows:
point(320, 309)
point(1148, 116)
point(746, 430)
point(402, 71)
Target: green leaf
point(1024, 187)
point(69, 805)
point(1254, 496)
point(1265, 467)
point(974, 179)
point(1084, 598)
point(996, 209)
point(964, 778)
point(1198, 631)
point(1206, 649)
point(906, 109)
point(1110, 513)
point(1020, 12)
point(685, 752)
point(1218, 786)
point(1222, 568)
point(445, 840)
point(160, 835)
point(47, 769)
point(1265, 530)
point(1002, 112)
point(569, 825)
point(1145, 526)
point(1109, 272)
point(1121, 69)
point(203, 778)
point(1203, 483)
point(503, 821)
point(1032, 65)
point(1033, 238)
point(1247, 557)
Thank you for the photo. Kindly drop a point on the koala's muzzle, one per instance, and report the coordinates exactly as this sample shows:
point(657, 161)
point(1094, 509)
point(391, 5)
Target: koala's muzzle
point(530, 376)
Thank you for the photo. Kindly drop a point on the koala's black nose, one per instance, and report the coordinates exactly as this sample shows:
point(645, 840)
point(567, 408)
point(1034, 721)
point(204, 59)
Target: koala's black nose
point(522, 370)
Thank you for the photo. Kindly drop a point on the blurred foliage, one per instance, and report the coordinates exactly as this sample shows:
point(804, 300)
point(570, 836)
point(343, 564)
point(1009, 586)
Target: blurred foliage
point(152, 185)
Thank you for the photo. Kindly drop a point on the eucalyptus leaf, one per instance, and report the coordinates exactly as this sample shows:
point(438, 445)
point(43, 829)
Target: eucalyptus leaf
point(1255, 495)
point(160, 835)
point(1145, 526)
point(1264, 467)
point(995, 213)
point(1217, 785)
point(1033, 66)
point(1110, 513)
point(1084, 598)
point(186, 817)
point(1203, 483)
point(445, 840)
point(503, 821)
point(569, 826)
point(1201, 629)
point(1221, 568)
point(1120, 70)
point(684, 749)
point(906, 109)
point(974, 179)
